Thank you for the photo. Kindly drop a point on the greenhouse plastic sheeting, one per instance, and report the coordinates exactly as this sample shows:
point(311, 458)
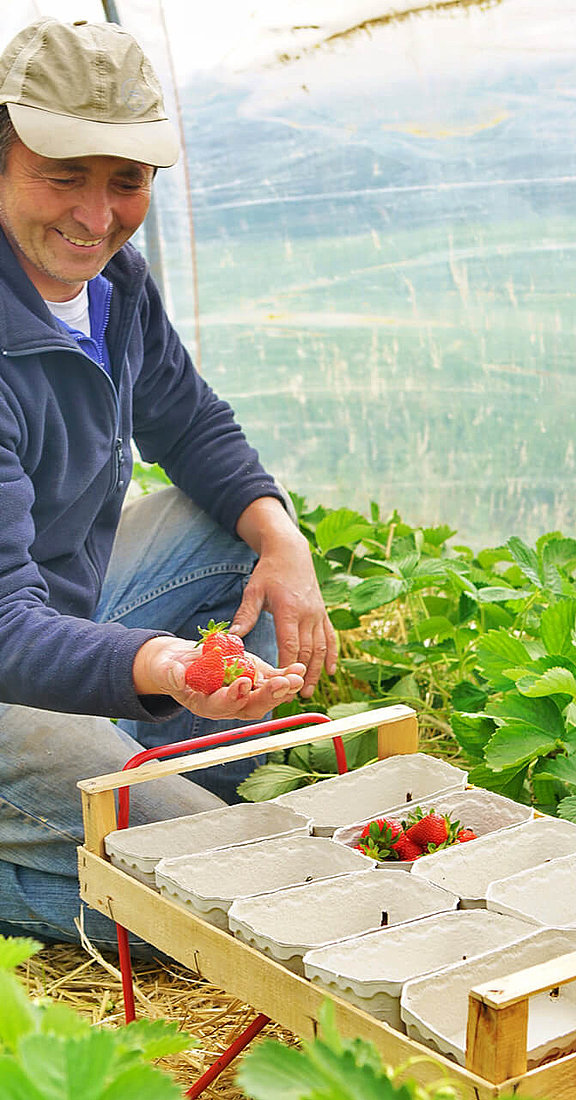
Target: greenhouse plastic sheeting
point(371, 253)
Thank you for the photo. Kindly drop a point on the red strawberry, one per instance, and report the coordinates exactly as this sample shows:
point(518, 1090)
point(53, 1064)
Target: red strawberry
point(216, 635)
point(382, 824)
point(430, 831)
point(206, 674)
point(406, 848)
point(239, 666)
point(465, 834)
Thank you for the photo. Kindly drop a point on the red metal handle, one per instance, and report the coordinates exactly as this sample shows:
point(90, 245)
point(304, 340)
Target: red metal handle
point(210, 739)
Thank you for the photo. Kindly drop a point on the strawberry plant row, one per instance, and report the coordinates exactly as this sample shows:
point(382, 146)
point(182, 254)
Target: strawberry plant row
point(480, 643)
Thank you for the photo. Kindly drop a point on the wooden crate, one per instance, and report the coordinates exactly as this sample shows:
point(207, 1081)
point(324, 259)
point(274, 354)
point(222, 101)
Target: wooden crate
point(497, 1019)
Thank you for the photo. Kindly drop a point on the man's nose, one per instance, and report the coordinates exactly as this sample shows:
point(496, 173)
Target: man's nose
point(94, 213)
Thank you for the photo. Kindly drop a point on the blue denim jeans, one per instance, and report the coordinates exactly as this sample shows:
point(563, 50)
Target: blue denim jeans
point(172, 568)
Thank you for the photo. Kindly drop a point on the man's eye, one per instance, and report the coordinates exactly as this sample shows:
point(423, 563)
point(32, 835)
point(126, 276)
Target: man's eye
point(61, 181)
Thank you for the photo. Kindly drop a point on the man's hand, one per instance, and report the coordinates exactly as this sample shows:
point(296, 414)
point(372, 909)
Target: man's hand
point(159, 669)
point(284, 583)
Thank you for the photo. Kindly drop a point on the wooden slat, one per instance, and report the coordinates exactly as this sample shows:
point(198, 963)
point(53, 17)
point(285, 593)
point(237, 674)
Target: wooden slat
point(99, 811)
point(249, 975)
point(398, 738)
point(496, 1040)
point(512, 988)
point(497, 1030)
point(353, 723)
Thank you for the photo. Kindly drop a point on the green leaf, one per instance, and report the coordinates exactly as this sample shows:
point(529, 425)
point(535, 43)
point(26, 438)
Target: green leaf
point(494, 594)
point(374, 593)
point(15, 1083)
point(344, 710)
point(14, 952)
point(342, 619)
point(341, 528)
point(526, 558)
point(557, 628)
point(270, 780)
point(437, 627)
point(472, 733)
point(567, 808)
point(271, 1071)
point(562, 768)
point(498, 651)
point(155, 1038)
point(62, 1063)
point(516, 743)
point(468, 696)
point(437, 536)
point(555, 681)
point(57, 1018)
point(509, 782)
point(141, 1083)
point(541, 714)
point(18, 1016)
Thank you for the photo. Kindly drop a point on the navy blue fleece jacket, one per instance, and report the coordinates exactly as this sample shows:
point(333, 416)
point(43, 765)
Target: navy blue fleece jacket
point(65, 462)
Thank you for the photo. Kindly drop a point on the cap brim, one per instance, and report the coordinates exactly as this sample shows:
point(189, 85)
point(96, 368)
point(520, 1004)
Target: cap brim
point(60, 136)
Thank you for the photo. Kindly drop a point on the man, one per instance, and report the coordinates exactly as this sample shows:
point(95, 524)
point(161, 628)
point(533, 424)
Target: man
point(98, 603)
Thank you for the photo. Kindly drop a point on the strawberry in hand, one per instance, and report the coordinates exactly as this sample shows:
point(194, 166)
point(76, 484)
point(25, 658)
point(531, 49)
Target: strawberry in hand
point(216, 634)
point(207, 673)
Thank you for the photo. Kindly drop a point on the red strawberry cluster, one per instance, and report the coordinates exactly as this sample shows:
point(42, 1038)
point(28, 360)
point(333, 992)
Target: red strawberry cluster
point(222, 660)
point(421, 834)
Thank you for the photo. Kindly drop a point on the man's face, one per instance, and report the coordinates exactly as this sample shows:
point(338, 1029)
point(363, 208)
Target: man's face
point(66, 218)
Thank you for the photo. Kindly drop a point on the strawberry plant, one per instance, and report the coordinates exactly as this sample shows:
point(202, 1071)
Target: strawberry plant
point(331, 1068)
point(479, 643)
point(48, 1052)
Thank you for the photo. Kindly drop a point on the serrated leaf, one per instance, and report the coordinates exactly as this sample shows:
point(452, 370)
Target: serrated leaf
point(272, 1071)
point(341, 528)
point(560, 551)
point(516, 743)
point(437, 626)
point(14, 952)
point(468, 696)
point(155, 1038)
point(271, 780)
point(472, 732)
point(495, 594)
point(557, 628)
point(540, 714)
point(15, 1083)
point(57, 1018)
point(509, 781)
point(336, 591)
point(375, 592)
point(555, 681)
point(17, 1014)
point(142, 1083)
point(342, 619)
point(526, 558)
point(562, 768)
point(567, 808)
point(344, 710)
point(498, 650)
point(61, 1063)
point(437, 536)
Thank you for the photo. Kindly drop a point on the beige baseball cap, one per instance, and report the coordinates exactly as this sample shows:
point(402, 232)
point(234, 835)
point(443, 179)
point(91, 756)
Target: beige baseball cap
point(84, 89)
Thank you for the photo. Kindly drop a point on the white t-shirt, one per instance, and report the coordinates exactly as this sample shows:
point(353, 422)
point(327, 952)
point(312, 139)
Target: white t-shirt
point(74, 312)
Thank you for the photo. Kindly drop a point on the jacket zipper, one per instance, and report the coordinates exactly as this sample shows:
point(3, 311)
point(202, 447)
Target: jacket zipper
point(117, 452)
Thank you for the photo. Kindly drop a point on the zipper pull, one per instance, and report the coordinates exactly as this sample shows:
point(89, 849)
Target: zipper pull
point(119, 464)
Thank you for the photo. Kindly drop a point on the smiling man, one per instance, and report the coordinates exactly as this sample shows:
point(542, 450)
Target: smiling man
point(100, 603)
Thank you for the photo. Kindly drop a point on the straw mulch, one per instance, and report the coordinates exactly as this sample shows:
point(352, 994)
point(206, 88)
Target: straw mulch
point(91, 985)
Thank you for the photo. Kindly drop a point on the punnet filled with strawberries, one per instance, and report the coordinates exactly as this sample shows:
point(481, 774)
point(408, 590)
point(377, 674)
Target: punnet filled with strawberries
point(421, 833)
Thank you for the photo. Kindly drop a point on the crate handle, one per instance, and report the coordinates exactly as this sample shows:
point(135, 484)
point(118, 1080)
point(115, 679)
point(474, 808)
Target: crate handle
point(497, 1029)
